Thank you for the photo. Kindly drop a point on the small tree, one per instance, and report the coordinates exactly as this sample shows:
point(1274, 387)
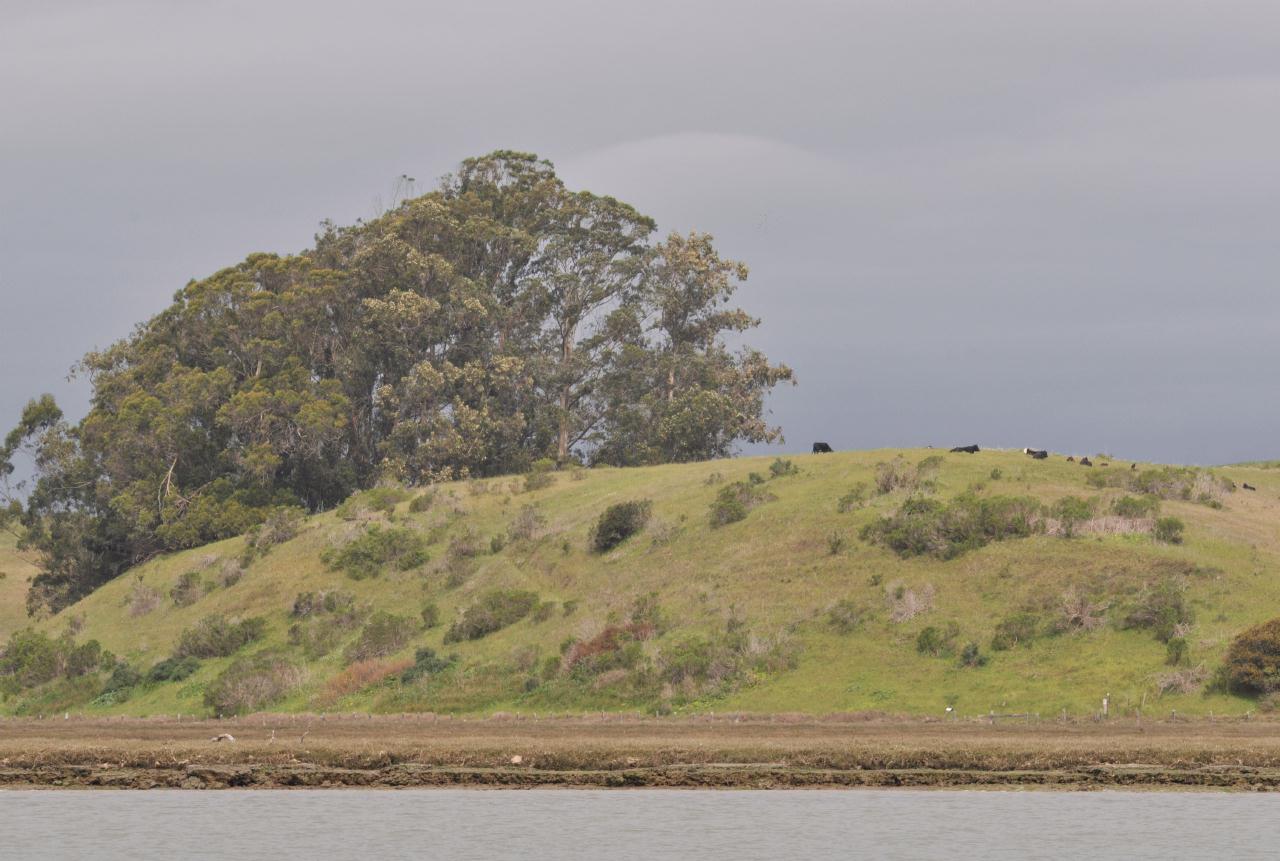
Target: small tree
point(1252, 664)
point(618, 523)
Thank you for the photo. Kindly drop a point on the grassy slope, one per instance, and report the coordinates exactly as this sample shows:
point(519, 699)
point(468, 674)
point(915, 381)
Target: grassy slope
point(775, 570)
point(17, 570)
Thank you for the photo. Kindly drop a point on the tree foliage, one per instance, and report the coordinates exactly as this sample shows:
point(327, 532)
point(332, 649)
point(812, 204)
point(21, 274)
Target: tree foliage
point(499, 319)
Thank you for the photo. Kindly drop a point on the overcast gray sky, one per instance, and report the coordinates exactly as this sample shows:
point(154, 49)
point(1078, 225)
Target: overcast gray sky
point(1011, 223)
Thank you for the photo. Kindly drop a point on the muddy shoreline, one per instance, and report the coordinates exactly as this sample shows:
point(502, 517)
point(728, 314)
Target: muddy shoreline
point(300, 751)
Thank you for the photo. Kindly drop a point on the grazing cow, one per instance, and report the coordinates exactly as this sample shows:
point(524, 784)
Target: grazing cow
point(1038, 455)
point(1248, 486)
point(1084, 461)
point(1106, 464)
point(1133, 466)
point(1071, 458)
point(821, 448)
point(965, 449)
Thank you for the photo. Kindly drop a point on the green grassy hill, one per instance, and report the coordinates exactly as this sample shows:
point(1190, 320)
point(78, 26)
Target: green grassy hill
point(15, 574)
point(786, 610)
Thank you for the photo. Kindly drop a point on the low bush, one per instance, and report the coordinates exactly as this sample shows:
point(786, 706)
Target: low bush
point(359, 676)
point(142, 598)
point(617, 647)
point(928, 527)
point(1020, 629)
point(121, 682)
point(384, 634)
point(367, 555)
point(619, 522)
point(378, 501)
point(540, 476)
point(846, 616)
point(427, 663)
point(252, 682)
point(217, 637)
point(782, 467)
point(1177, 652)
point(173, 670)
point(938, 642)
point(971, 656)
point(31, 658)
point(430, 615)
point(854, 499)
point(492, 612)
point(422, 502)
point(1070, 512)
point(836, 543)
point(1252, 663)
point(527, 524)
point(1168, 530)
point(188, 589)
point(1136, 507)
point(282, 524)
point(543, 611)
point(1162, 609)
point(734, 501)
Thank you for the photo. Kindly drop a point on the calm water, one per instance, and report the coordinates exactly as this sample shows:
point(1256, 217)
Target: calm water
point(569, 824)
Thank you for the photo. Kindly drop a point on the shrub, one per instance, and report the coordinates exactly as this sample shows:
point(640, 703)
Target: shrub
point(1252, 663)
point(1163, 610)
point(497, 542)
point(427, 663)
point(336, 603)
point(367, 555)
point(845, 616)
point(937, 642)
point(1169, 530)
point(253, 682)
point(359, 676)
point(929, 527)
point(188, 589)
point(1070, 512)
point(81, 660)
point(494, 611)
point(897, 474)
point(430, 615)
point(997, 473)
point(379, 500)
point(122, 680)
point(854, 499)
point(527, 524)
point(543, 611)
point(971, 656)
point(1018, 629)
point(540, 475)
point(734, 501)
point(1136, 507)
point(216, 637)
point(173, 670)
point(1177, 651)
point(384, 634)
point(617, 647)
point(281, 525)
point(836, 543)
point(464, 545)
point(142, 598)
point(618, 523)
point(713, 478)
point(422, 502)
point(782, 467)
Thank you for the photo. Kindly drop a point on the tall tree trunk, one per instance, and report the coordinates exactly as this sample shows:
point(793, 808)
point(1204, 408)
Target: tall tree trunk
point(566, 355)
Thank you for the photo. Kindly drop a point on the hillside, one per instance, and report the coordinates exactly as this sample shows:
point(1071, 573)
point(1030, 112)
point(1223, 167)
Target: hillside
point(16, 570)
point(786, 610)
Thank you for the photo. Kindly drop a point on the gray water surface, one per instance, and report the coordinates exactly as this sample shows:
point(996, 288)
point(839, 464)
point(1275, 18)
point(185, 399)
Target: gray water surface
point(635, 824)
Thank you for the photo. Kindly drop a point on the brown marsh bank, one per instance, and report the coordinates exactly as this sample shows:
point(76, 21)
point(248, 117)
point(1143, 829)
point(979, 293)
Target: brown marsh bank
point(271, 751)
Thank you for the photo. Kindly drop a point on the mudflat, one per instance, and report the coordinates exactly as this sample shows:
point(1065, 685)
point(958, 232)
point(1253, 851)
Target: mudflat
point(282, 751)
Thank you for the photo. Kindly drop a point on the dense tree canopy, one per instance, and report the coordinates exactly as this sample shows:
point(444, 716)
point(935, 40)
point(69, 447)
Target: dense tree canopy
point(500, 319)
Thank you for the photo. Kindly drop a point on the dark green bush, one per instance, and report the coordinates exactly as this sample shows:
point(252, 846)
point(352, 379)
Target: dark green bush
point(1169, 530)
point(367, 555)
point(782, 467)
point(938, 642)
point(1161, 609)
point(1177, 651)
point(618, 523)
point(253, 682)
point(1018, 629)
point(734, 501)
point(217, 637)
point(971, 656)
point(173, 670)
point(427, 663)
point(422, 502)
point(384, 634)
point(188, 589)
point(494, 611)
point(929, 527)
point(1071, 511)
point(123, 679)
point(29, 658)
point(1136, 507)
point(430, 615)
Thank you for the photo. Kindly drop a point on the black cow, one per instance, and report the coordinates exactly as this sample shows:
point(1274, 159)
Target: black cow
point(1038, 455)
point(1133, 466)
point(1071, 458)
point(822, 448)
point(1084, 461)
point(965, 449)
point(1248, 486)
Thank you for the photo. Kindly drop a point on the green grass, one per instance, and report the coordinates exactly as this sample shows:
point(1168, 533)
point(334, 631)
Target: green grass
point(17, 569)
point(773, 572)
